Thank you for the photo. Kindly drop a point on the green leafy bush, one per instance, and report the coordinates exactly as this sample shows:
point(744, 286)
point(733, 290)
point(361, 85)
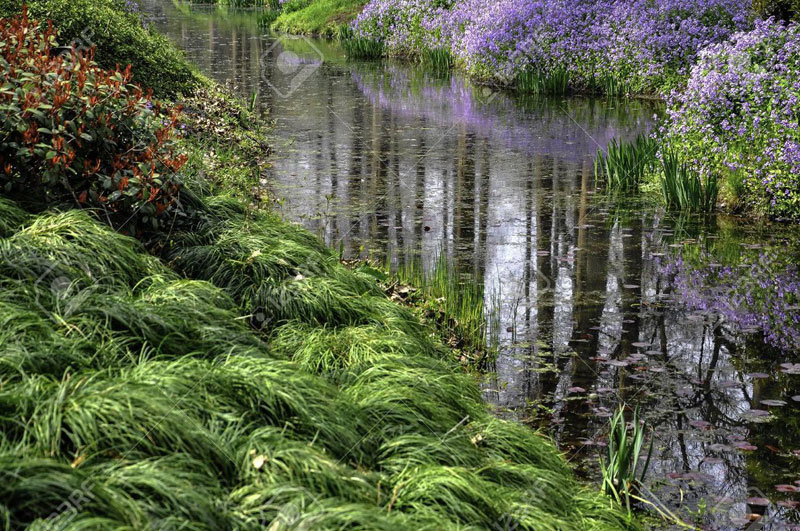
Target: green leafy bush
point(120, 38)
point(73, 132)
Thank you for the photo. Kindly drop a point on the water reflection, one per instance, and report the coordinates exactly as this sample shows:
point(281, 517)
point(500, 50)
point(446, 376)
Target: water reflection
point(392, 162)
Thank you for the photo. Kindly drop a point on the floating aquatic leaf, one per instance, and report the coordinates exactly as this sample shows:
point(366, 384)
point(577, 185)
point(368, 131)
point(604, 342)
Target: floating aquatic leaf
point(720, 447)
point(755, 500)
point(790, 368)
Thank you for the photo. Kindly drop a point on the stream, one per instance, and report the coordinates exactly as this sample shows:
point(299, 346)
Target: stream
point(593, 300)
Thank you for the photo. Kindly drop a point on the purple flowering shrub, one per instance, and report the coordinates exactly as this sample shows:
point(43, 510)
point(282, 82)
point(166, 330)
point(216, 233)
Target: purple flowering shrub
point(647, 45)
point(760, 294)
point(405, 27)
point(739, 117)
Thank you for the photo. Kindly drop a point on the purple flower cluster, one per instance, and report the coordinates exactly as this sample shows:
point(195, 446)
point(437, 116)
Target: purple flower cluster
point(762, 294)
point(740, 115)
point(647, 44)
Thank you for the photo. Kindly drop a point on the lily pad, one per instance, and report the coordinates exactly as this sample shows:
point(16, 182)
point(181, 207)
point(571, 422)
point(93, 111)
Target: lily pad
point(755, 500)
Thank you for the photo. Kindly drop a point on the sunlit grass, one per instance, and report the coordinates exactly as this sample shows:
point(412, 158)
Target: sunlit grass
point(554, 82)
point(317, 17)
point(623, 165)
point(682, 188)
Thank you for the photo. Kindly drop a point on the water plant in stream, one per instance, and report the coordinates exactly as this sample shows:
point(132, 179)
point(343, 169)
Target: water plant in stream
point(453, 303)
point(623, 165)
point(357, 48)
point(438, 58)
point(682, 187)
point(622, 475)
point(555, 82)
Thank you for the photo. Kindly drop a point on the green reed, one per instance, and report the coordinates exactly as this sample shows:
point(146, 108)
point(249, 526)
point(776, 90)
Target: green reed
point(555, 82)
point(682, 187)
point(624, 165)
point(438, 59)
point(622, 476)
point(267, 17)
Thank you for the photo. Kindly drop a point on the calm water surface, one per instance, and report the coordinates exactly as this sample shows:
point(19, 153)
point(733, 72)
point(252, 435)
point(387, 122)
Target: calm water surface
point(593, 302)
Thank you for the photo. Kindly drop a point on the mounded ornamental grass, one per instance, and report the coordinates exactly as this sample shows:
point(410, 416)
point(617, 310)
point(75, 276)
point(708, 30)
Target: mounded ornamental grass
point(137, 395)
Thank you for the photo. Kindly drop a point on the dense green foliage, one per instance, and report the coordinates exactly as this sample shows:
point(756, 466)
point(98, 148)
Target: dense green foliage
point(120, 38)
point(133, 396)
point(623, 165)
point(75, 133)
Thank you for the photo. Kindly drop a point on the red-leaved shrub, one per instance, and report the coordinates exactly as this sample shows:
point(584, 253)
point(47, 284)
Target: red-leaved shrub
point(72, 131)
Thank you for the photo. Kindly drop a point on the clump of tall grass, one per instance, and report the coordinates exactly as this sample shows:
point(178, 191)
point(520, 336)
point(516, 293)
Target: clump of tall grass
point(267, 17)
point(611, 85)
point(454, 303)
point(555, 82)
point(624, 165)
point(682, 187)
point(438, 59)
point(358, 47)
point(622, 475)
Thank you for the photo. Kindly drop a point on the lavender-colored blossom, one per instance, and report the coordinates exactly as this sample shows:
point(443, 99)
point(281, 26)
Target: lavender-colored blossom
point(740, 111)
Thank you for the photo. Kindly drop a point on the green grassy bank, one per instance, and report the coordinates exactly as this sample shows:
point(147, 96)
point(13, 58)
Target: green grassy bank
point(246, 380)
point(317, 17)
